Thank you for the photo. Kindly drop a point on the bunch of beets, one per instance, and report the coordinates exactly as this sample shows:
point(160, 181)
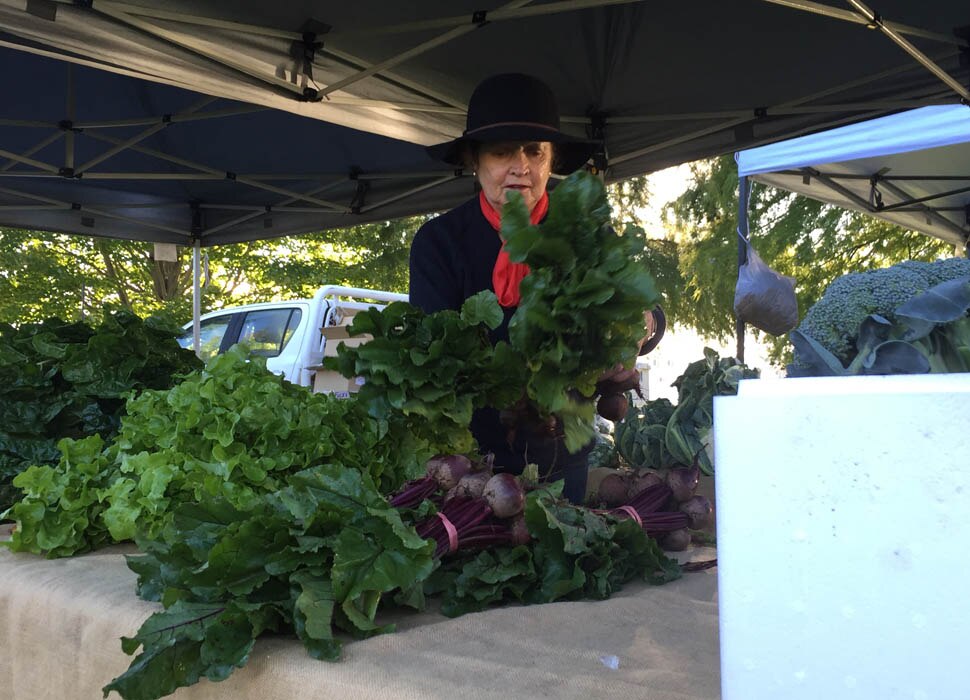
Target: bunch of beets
point(477, 508)
point(665, 502)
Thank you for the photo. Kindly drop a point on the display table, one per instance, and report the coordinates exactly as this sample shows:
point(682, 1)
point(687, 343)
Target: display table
point(61, 620)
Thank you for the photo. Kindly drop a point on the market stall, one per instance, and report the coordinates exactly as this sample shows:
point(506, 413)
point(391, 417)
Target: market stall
point(118, 131)
point(218, 122)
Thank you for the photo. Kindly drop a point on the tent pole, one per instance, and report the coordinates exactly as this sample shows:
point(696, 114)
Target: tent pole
point(920, 57)
point(744, 191)
point(196, 297)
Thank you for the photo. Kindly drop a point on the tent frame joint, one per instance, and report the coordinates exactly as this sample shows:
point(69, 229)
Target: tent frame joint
point(306, 50)
point(597, 132)
point(360, 195)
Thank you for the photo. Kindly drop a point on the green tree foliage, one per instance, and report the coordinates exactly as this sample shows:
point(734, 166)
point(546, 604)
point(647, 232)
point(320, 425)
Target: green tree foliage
point(661, 254)
point(813, 242)
point(72, 277)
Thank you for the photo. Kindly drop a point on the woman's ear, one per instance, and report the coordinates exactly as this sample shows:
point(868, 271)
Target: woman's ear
point(469, 157)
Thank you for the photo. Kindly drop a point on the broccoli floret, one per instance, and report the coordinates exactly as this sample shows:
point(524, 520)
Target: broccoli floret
point(834, 320)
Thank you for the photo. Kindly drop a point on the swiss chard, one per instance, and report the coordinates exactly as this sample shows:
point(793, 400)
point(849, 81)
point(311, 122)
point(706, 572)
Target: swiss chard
point(315, 558)
point(69, 380)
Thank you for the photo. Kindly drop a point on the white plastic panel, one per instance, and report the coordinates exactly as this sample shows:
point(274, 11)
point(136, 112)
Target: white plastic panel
point(843, 522)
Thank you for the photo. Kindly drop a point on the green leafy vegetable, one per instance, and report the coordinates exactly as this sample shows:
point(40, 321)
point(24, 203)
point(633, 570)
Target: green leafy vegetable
point(315, 558)
point(659, 434)
point(432, 369)
point(582, 303)
point(575, 553)
point(233, 430)
point(69, 380)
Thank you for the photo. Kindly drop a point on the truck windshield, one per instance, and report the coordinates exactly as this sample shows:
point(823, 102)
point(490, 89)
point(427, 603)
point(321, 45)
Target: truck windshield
point(267, 331)
point(211, 333)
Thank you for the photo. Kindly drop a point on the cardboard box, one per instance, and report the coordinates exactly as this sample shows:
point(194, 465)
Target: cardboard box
point(338, 335)
point(328, 381)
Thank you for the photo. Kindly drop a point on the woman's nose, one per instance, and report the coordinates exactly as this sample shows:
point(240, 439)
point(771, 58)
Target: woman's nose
point(520, 162)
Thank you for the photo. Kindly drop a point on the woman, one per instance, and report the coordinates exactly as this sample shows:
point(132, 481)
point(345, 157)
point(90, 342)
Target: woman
point(512, 143)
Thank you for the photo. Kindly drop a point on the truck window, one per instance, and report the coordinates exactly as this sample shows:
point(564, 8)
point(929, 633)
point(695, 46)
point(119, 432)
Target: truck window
point(267, 331)
point(211, 332)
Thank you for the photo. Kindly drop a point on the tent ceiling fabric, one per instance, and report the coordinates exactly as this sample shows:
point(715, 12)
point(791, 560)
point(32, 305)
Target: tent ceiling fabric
point(310, 131)
point(910, 169)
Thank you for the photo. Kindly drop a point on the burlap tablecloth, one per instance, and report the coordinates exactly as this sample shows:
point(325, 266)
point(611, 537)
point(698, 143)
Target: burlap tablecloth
point(60, 623)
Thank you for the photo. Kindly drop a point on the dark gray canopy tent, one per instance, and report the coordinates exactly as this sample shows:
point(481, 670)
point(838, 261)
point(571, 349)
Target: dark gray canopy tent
point(207, 121)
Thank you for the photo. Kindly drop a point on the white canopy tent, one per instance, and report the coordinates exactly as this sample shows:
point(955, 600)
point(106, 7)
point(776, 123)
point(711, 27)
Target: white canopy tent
point(911, 169)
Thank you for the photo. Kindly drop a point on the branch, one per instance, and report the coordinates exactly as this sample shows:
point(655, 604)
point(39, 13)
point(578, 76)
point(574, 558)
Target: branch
point(112, 274)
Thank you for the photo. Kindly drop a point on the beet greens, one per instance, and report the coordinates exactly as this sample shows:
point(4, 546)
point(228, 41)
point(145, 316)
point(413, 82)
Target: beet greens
point(582, 303)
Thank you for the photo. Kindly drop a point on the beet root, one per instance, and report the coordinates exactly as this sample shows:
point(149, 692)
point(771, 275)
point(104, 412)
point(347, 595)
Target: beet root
point(504, 495)
point(683, 482)
point(612, 407)
point(699, 510)
point(676, 540)
point(613, 490)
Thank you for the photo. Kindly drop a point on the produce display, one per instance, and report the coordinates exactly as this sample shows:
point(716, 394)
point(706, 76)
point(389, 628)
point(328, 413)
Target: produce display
point(69, 380)
point(906, 319)
point(260, 507)
point(658, 434)
point(580, 315)
point(233, 430)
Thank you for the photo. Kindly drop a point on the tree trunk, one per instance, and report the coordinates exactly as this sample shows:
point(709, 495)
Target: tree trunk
point(165, 278)
point(112, 273)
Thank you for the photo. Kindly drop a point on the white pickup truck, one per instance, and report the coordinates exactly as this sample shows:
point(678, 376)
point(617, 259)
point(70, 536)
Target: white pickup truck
point(287, 333)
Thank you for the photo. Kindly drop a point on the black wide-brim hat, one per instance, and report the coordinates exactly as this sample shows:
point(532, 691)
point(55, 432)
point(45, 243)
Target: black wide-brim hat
point(516, 107)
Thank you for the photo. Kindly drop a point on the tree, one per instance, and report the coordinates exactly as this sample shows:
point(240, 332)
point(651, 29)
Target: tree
point(794, 235)
point(661, 254)
point(72, 277)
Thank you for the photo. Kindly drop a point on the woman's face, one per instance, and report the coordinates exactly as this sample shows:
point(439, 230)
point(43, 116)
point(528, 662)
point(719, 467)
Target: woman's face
point(514, 166)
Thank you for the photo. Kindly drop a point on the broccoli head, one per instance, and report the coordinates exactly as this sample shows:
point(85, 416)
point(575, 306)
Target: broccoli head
point(834, 320)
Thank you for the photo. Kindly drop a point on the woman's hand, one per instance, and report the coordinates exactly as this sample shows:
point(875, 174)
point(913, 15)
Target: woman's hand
point(619, 375)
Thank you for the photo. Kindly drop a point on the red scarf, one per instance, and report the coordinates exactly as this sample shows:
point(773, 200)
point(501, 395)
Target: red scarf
point(506, 275)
